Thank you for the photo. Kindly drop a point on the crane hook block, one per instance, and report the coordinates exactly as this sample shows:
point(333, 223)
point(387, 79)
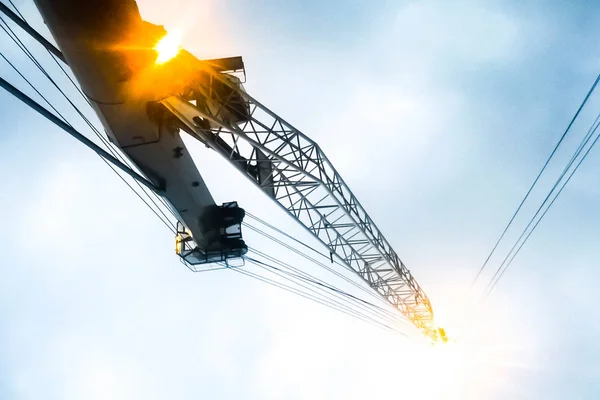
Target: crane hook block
point(223, 237)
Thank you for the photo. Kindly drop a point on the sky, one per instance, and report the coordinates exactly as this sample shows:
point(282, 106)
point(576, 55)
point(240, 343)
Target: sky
point(437, 114)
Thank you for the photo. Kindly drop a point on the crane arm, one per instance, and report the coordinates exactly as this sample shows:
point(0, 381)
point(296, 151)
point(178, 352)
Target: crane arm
point(294, 172)
point(213, 107)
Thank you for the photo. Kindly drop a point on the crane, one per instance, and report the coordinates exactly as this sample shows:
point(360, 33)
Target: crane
point(146, 101)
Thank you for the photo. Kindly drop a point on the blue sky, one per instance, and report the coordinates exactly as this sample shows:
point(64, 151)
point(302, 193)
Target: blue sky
point(438, 115)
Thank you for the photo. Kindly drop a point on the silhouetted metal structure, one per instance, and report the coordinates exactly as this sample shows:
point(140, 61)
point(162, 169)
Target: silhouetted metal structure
point(144, 107)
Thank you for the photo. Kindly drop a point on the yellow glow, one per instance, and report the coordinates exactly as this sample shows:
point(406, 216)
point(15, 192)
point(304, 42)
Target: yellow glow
point(178, 244)
point(168, 47)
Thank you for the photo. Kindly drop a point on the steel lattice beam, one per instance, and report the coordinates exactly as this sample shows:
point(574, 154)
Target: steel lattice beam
point(301, 180)
point(304, 182)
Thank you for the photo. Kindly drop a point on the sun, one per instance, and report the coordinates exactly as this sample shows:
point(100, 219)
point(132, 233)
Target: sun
point(168, 47)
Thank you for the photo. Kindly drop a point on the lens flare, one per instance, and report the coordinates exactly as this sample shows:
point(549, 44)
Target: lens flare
point(168, 47)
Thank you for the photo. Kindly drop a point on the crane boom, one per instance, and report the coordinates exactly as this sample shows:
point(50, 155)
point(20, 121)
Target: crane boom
point(148, 105)
point(294, 172)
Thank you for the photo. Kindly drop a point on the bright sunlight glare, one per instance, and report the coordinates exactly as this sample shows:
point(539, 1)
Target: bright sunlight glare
point(457, 369)
point(471, 364)
point(168, 47)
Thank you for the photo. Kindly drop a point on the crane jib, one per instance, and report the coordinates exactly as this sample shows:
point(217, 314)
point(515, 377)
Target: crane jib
point(304, 183)
point(206, 99)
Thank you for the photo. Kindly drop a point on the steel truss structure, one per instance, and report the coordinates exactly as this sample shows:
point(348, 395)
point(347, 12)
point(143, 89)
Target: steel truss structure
point(293, 171)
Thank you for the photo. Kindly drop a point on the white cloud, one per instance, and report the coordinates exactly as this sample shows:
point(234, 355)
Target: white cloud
point(126, 321)
point(462, 33)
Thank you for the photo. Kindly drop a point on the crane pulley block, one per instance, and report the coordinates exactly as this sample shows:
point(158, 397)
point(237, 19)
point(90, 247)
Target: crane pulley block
point(225, 226)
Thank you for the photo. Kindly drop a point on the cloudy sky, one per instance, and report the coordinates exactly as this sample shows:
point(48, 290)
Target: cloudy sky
point(438, 114)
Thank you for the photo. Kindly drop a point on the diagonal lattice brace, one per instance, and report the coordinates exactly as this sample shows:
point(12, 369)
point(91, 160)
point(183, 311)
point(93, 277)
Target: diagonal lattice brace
point(296, 174)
